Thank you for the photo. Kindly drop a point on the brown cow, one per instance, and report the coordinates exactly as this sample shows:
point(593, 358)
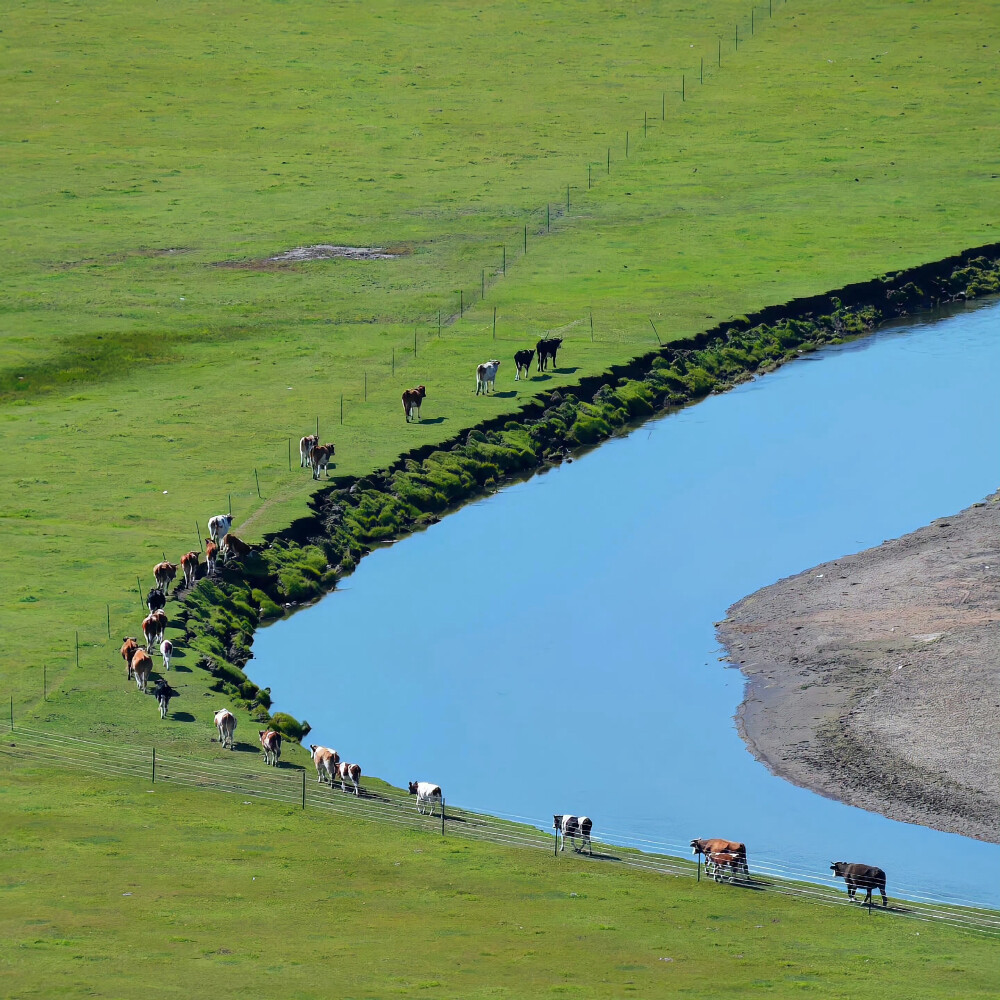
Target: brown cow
point(211, 552)
point(142, 664)
point(189, 565)
point(234, 548)
point(718, 846)
point(319, 459)
point(348, 772)
point(153, 627)
point(129, 647)
point(163, 574)
point(326, 761)
point(270, 741)
point(412, 398)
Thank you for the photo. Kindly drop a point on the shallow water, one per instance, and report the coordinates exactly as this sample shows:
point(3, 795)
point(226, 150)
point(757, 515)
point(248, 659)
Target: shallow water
point(551, 649)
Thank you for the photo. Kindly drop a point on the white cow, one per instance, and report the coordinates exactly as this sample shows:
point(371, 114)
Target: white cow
point(166, 651)
point(326, 761)
point(225, 722)
point(425, 793)
point(218, 526)
point(486, 375)
point(573, 827)
point(306, 446)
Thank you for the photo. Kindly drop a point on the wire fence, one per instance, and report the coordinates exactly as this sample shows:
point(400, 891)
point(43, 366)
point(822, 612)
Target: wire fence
point(242, 773)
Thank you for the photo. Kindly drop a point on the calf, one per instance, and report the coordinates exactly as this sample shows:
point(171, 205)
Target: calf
point(163, 692)
point(155, 600)
point(857, 876)
point(523, 362)
point(129, 647)
point(142, 665)
point(218, 526)
point(234, 548)
point(166, 651)
point(163, 574)
point(211, 552)
point(486, 376)
point(270, 741)
point(425, 793)
point(326, 761)
point(573, 827)
point(349, 772)
point(547, 351)
point(225, 722)
point(717, 863)
point(306, 446)
point(412, 398)
point(189, 565)
point(717, 845)
point(319, 458)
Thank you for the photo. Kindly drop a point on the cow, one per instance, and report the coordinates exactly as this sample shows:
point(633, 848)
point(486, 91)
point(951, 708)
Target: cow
point(152, 628)
point(166, 651)
point(234, 548)
point(326, 761)
point(129, 646)
point(211, 553)
point(189, 567)
point(270, 741)
point(163, 574)
point(425, 793)
point(155, 600)
point(857, 876)
point(717, 863)
point(349, 772)
point(718, 846)
point(573, 827)
point(163, 692)
point(225, 722)
point(412, 398)
point(522, 360)
point(306, 446)
point(142, 665)
point(547, 351)
point(219, 526)
point(486, 376)
point(319, 458)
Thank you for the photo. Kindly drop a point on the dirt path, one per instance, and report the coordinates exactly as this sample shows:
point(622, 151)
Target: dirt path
point(875, 679)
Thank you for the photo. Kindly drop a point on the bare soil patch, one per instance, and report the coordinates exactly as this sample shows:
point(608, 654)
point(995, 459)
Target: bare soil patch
point(875, 679)
point(319, 251)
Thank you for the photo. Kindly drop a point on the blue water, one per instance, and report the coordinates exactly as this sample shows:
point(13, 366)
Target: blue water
point(551, 649)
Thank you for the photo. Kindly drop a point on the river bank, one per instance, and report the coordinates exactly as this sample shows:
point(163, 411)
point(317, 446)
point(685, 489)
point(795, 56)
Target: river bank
point(873, 678)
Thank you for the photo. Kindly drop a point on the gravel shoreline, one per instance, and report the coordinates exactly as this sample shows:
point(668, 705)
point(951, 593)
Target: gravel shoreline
point(875, 679)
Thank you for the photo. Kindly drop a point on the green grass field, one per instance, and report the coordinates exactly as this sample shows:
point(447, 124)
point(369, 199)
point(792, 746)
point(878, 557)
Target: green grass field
point(151, 358)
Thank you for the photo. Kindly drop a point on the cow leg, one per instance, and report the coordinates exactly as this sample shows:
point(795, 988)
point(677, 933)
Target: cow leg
point(885, 901)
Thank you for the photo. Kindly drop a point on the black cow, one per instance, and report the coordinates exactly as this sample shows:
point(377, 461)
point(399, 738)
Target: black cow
point(573, 827)
point(865, 877)
point(547, 350)
point(155, 600)
point(522, 361)
point(163, 692)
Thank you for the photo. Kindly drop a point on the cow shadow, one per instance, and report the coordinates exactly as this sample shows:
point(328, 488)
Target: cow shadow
point(565, 371)
point(598, 856)
point(179, 667)
point(432, 420)
point(504, 395)
point(182, 717)
point(541, 378)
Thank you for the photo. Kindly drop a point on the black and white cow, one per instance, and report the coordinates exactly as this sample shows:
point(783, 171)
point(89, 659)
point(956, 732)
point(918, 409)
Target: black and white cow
point(427, 793)
point(155, 600)
point(163, 692)
point(573, 827)
point(218, 527)
point(486, 376)
point(522, 361)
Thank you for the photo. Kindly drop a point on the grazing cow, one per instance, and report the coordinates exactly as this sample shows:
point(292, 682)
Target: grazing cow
point(486, 376)
point(412, 398)
point(326, 761)
point(270, 741)
point(857, 876)
point(718, 846)
point(717, 863)
point(189, 566)
point(142, 665)
point(129, 647)
point(523, 362)
point(163, 574)
point(234, 548)
point(155, 600)
point(349, 772)
point(225, 722)
point(211, 552)
point(163, 692)
point(425, 793)
point(319, 458)
point(166, 651)
point(547, 351)
point(218, 526)
point(573, 827)
point(306, 446)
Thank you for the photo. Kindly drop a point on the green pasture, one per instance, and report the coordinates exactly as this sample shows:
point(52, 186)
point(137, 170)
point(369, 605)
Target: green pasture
point(113, 888)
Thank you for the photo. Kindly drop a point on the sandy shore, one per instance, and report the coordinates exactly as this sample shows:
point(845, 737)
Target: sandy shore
point(875, 679)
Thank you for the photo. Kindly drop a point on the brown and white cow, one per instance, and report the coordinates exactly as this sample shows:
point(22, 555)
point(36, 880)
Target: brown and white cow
point(211, 554)
point(412, 398)
point(717, 845)
point(349, 772)
point(320, 458)
point(129, 647)
point(234, 548)
point(163, 574)
point(427, 793)
point(225, 722)
point(717, 863)
point(270, 741)
point(306, 446)
point(189, 565)
point(142, 666)
point(152, 628)
point(486, 376)
point(166, 651)
point(858, 876)
point(326, 761)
